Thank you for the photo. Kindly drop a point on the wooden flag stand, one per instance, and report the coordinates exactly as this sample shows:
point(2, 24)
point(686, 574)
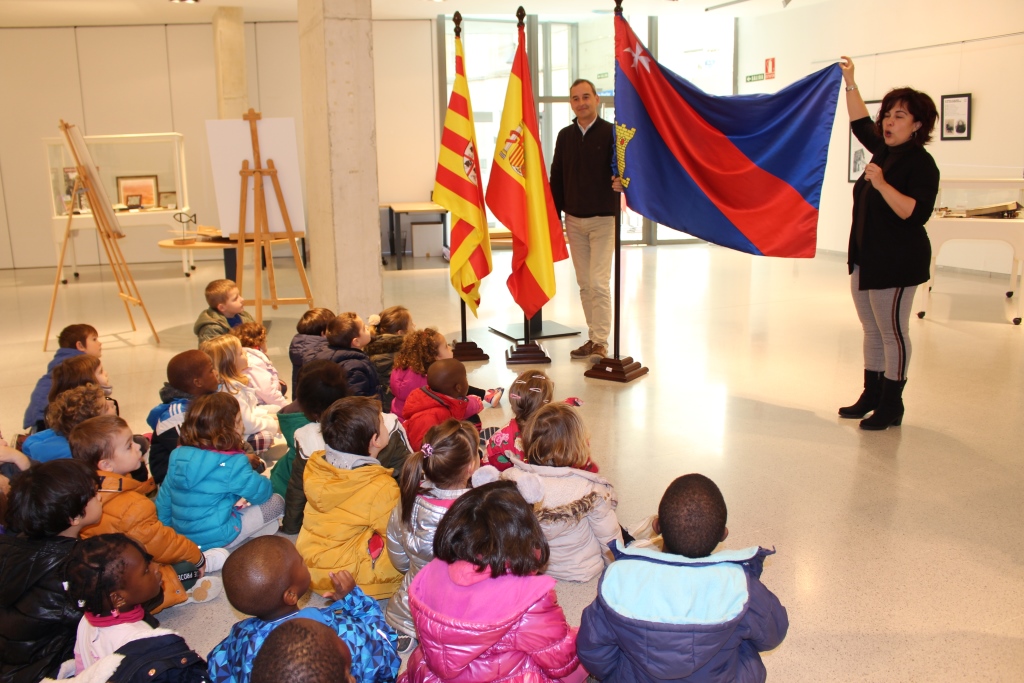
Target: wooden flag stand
point(617, 369)
point(262, 237)
point(466, 350)
point(527, 353)
point(109, 231)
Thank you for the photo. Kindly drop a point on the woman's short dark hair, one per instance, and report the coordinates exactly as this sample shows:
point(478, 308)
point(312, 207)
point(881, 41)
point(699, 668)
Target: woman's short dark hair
point(46, 497)
point(919, 105)
point(320, 383)
point(349, 424)
point(493, 526)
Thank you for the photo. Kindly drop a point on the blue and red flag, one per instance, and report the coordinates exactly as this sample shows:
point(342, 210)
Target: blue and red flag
point(743, 172)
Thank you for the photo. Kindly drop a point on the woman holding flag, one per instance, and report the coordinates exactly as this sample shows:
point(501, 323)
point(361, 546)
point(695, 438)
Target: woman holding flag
point(889, 252)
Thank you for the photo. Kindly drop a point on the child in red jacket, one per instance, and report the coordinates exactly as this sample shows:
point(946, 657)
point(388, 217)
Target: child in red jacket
point(443, 398)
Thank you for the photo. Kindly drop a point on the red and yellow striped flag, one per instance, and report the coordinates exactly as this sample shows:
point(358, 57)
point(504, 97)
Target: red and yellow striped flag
point(457, 188)
point(520, 197)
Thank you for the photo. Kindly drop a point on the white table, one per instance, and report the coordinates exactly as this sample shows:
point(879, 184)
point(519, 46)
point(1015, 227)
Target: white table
point(1009, 230)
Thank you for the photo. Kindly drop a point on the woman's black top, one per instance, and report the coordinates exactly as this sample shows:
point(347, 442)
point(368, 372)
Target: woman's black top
point(892, 251)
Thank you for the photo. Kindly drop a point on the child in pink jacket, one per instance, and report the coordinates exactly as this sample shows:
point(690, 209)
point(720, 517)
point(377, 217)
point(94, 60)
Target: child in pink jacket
point(481, 610)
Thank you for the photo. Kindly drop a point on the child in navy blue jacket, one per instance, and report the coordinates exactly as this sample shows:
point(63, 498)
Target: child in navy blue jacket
point(74, 340)
point(684, 614)
point(347, 335)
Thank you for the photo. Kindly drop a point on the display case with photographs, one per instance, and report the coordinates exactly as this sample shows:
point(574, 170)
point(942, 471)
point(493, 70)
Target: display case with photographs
point(144, 175)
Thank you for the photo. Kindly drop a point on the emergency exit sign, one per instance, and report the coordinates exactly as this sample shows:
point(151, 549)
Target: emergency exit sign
point(755, 77)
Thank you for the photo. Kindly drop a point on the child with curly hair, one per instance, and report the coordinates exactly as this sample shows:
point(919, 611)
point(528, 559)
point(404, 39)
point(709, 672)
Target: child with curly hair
point(419, 350)
point(67, 410)
point(262, 374)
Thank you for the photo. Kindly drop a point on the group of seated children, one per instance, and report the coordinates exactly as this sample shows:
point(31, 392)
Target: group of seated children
point(464, 540)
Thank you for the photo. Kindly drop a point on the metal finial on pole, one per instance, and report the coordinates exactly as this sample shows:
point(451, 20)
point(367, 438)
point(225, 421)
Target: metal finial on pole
point(457, 20)
point(521, 15)
point(618, 6)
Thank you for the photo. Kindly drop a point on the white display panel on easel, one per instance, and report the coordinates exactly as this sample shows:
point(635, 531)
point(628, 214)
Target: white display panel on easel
point(230, 143)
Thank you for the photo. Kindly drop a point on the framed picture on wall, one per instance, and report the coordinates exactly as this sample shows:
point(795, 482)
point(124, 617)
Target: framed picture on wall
point(143, 185)
point(859, 154)
point(169, 200)
point(955, 119)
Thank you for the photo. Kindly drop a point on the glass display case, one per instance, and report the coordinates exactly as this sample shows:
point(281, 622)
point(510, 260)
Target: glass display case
point(143, 175)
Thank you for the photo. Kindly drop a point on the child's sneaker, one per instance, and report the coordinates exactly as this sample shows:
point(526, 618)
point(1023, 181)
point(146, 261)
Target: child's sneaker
point(406, 644)
point(205, 590)
point(492, 397)
point(215, 559)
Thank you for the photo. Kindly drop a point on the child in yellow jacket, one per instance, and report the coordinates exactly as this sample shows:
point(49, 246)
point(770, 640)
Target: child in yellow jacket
point(349, 498)
point(105, 443)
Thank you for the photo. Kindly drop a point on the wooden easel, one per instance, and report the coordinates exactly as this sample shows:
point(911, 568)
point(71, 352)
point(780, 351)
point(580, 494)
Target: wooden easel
point(262, 237)
point(109, 234)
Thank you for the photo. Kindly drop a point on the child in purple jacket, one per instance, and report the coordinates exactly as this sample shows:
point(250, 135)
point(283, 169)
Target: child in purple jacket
point(713, 614)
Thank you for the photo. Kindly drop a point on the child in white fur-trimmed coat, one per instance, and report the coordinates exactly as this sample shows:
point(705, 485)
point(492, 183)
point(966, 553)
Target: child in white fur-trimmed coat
point(263, 376)
point(575, 508)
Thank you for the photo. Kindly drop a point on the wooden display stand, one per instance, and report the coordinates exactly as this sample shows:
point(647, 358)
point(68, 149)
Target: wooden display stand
point(262, 239)
point(108, 229)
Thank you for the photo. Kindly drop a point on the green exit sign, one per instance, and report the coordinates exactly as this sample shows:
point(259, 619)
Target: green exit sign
point(755, 77)
point(603, 74)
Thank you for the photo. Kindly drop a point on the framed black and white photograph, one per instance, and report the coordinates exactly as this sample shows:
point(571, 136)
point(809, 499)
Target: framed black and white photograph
point(955, 119)
point(859, 154)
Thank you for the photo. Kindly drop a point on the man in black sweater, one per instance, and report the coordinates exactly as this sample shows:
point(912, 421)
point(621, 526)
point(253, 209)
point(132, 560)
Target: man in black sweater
point(585, 189)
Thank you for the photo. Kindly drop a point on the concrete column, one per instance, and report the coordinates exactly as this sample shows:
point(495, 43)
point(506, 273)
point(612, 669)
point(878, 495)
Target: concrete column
point(229, 56)
point(336, 60)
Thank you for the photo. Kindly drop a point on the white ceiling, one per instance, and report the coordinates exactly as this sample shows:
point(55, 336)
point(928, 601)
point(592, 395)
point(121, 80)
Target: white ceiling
point(128, 12)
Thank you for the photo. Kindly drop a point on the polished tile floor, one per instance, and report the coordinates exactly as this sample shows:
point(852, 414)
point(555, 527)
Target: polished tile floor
point(899, 552)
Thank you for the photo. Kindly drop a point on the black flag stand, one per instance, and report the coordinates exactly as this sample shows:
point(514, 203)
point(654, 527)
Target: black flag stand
point(615, 369)
point(466, 350)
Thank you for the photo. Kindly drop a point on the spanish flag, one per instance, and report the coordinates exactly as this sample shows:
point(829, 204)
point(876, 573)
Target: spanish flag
point(520, 197)
point(457, 188)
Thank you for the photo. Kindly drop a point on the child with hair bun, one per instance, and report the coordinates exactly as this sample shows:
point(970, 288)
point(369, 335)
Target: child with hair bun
point(259, 423)
point(388, 330)
point(433, 478)
point(419, 351)
point(207, 474)
point(482, 608)
point(530, 390)
point(262, 374)
point(111, 576)
point(577, 509)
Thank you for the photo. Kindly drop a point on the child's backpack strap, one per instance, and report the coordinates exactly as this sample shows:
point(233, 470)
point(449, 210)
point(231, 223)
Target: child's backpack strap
point(164, 659)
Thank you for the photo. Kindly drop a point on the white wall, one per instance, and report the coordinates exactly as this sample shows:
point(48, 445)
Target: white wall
point(405, 80)
point(154, 79)
point(807, 39)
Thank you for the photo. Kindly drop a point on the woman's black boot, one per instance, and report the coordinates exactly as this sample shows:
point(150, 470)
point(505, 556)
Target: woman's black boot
point(890, 408)
point(868, 400)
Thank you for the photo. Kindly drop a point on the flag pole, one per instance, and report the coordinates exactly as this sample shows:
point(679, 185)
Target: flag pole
point(616, 368)
point(464, 350)
point(529, 352)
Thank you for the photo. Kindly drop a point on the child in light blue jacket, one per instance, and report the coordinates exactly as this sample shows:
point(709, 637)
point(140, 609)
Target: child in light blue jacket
point(207, 475)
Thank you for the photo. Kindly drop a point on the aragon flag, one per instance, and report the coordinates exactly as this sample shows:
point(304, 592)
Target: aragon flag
point(743, 172)
point(457, 188)
point(520, 197)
